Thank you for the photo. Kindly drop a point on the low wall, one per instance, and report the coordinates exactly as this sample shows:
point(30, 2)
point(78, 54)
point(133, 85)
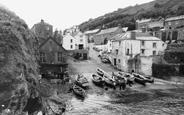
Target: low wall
point(165, 71)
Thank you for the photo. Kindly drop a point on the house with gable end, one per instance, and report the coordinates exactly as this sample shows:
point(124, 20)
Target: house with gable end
point(52, 57)
point(76, 44)
point(136, 51)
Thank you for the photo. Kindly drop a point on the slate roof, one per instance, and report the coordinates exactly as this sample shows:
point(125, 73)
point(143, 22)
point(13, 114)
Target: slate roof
point(143, 21)
point(175, 18)
point(110, 30)
point(139, 36)
point(54, 41)
point(118, 37)
point(91, 31)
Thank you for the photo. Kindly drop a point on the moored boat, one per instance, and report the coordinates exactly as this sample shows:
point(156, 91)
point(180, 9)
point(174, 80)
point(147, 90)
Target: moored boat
point(139, 79)
point(82, 81)
point(109, 80)
point(79, 91)
point(146, 78)
point(100, 72)
point(127, 75)
point(97, 79)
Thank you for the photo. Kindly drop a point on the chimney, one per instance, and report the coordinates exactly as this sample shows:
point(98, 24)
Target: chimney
point(133, 35)
point(42, 21)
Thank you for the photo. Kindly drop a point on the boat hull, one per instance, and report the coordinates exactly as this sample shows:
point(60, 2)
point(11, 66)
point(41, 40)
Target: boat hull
point(140, 81)
point(82, 81)
point(97, 80)
point(79, 91)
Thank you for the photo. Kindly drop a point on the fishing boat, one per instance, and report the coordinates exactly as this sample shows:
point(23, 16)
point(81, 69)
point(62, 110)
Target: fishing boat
point(82, 81)
point(97, 79)
point(100, 72)
point(109, 80)
point(146, 78)
point(139, 79)
point(126, 75)
point(79, 91)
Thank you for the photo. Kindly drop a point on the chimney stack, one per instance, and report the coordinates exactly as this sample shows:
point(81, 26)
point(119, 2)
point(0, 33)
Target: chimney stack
point(42, 20)
point(133, 35)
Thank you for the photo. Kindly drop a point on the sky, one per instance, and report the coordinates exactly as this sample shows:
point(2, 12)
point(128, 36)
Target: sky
point(63, 14)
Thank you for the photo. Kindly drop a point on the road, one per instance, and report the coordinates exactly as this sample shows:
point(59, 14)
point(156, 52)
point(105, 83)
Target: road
point(161, 97)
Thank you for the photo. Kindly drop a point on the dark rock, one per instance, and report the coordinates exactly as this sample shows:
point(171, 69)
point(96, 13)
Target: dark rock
point(18, 66)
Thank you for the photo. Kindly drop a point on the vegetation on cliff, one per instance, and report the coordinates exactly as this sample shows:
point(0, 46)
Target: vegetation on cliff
point(18, 65)
point(127, 16)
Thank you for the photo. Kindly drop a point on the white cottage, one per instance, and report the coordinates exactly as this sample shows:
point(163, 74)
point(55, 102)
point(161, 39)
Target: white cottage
point(135, 50)
point(68, 42)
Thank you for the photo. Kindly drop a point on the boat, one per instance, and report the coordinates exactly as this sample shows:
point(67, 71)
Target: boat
point(109, 80)
point(100, 72)
point(79, 91)
point(97, 79)
point(149, 79)
point(128, 76)
point(146, 78)
point(139, 79)
point(82, 81)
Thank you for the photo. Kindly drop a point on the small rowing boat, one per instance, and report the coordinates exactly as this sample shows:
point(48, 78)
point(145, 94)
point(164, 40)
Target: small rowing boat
point(79, 91)
point(97, 79)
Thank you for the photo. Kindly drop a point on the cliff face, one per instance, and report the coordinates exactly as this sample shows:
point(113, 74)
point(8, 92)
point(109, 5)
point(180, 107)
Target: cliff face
point(18, 66)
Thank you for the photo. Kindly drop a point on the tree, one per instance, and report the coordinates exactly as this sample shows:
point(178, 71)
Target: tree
point(157, 5)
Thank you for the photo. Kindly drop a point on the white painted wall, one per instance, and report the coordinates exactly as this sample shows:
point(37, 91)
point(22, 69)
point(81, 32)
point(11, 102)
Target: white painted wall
point(160, 47)
point(81, 38)
point(67, 42)
point(109, 45)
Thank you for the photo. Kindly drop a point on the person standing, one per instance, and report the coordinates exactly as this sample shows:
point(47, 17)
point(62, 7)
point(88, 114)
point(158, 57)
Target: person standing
point(122, 84)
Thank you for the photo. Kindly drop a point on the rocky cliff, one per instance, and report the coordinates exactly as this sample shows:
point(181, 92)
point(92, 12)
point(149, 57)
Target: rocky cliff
point(18, 65)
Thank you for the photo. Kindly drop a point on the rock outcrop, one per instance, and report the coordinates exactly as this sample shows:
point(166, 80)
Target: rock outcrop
point(18, 65)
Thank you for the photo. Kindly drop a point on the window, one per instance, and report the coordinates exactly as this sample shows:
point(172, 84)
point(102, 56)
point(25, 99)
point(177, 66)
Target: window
point(59, 57)
point(176, 21)
point(42, 57)
point(163, 45)
point(119, 43)
point(116, 51)
point(119, 61)
point(154, 45)
point(142, 51)
point(81, 36)
point(127, 52)
point(142, 43)
point(71, 46)
point(169, 23)
point(81, 40)
point(71, 40)
point(154, 52)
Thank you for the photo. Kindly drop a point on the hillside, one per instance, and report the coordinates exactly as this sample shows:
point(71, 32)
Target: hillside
point(127, 16)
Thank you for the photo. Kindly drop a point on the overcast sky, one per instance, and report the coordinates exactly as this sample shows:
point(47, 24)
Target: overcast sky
point(63, 14)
